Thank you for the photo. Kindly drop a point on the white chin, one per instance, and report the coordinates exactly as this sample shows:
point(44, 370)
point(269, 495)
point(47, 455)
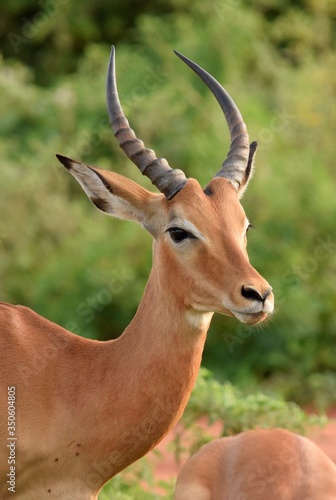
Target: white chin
point(251, 318)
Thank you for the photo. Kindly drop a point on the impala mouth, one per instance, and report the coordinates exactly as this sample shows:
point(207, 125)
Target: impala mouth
point(251, 318)
point(255, 313)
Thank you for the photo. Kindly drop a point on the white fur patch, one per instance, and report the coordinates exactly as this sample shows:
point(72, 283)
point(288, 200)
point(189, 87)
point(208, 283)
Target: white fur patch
point(199, 320)
point(187, 226)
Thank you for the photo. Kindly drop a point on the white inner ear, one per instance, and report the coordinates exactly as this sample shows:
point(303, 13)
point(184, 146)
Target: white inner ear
point(89, 180)
point(101, 196)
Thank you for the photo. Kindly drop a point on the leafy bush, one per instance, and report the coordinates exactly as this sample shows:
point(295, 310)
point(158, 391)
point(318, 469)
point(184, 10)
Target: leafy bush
point(86, 271)
point(136, 482)
point(238, 411)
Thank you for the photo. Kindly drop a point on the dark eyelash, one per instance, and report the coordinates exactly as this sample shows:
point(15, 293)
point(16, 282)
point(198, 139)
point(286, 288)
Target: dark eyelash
point(178, 234)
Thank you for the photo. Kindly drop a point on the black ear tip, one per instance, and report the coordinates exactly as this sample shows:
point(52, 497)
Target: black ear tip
point(64, 160)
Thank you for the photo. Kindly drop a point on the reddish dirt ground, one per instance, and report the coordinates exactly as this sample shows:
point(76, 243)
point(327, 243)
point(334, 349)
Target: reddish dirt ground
point(166, 467)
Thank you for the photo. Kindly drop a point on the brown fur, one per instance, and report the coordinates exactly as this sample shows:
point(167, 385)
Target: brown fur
point(87, 409)
point(258, 465)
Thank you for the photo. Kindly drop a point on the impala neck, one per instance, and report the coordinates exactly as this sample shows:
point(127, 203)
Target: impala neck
point(163, 347)
point(151, 370)
point(163, 324)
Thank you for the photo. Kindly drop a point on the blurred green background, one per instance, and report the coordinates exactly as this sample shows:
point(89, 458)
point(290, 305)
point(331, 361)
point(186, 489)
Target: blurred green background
point(87, 272)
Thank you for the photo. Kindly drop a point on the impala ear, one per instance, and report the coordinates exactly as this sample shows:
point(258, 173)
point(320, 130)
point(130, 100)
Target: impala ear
point(249, 169)
point(116, 195)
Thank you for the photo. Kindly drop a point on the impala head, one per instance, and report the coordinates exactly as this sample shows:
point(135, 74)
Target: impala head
point(200, 255)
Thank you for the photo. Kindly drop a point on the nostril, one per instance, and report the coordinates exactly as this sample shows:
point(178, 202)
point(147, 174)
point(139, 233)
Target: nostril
point(251, 293)
point(266, 294)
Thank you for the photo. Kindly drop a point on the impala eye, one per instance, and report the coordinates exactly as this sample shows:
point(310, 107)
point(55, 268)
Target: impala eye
point(177, 234)
point(250, 226)
point(246, 231)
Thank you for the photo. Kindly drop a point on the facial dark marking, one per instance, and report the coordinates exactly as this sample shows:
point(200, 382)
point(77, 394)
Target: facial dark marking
point(208, 191)
point(108, 187)
point(56, 460)
point(101, 204)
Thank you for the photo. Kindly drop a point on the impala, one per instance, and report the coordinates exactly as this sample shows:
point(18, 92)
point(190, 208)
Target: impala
point(258, 465)
point(96, 407)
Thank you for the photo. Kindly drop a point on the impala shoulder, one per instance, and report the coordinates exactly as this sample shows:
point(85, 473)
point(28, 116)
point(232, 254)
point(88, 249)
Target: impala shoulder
point(14, 309)
point(14, 316)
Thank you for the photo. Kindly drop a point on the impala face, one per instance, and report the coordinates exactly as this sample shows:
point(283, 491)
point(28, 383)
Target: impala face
point(203, 247)
point(200, 255)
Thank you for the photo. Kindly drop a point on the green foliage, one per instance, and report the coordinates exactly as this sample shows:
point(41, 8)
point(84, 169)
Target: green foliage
point(277, 59)
point(136, 482)
point(87, 272)
point(238, 411)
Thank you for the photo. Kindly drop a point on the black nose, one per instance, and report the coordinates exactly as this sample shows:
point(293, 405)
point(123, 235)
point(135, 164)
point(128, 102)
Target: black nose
point(251, 293)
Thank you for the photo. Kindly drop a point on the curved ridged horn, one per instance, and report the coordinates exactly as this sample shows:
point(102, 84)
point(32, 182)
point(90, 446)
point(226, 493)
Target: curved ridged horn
point(169, 181)
point(234, 165)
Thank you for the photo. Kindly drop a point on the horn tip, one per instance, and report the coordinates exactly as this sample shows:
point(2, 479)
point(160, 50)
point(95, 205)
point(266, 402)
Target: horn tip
point(181, 56)
point(112, 54)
